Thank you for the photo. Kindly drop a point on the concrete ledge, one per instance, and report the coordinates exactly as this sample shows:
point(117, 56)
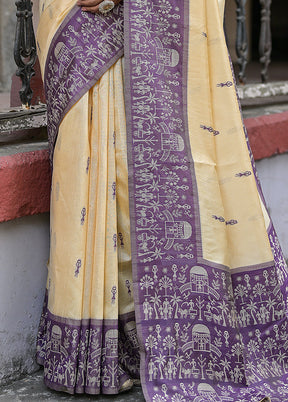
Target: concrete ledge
point(268, 135)
point(25, 184)
point(25, 177)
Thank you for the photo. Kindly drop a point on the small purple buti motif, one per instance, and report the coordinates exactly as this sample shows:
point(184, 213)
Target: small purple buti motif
point(121, 238)
point(113, 291)
point(225, 84)
point(210, 129)
point(114, 138)
point(83, 214)
point(204, 34)
point(78, 266)
point(115, 242)
point(245, 174)
point(114, 190)
point(128, 286)
point(88, 164)
point(231, 222)
point(218, 218)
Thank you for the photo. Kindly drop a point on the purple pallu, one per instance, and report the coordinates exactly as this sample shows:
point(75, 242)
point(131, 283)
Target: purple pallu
point(205, 334)
point(84, 47)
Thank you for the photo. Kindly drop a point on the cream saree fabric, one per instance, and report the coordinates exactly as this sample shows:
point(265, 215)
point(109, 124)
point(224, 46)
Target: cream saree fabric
point(88, 165)
point(199, 328)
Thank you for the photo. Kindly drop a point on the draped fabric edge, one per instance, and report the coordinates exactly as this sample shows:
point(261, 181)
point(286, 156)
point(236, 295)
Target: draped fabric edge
point(52, 142)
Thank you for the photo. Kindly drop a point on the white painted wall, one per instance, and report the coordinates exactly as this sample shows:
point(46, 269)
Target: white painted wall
point(24, 246)
point(24, 249)
point(274, 180)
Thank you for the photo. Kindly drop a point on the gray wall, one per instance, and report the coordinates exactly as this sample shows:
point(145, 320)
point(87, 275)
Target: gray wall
point(274, 180)
point(7, 34)
point(24, 251)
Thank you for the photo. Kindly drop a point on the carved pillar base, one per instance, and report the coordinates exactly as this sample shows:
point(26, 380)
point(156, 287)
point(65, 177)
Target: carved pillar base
point(265, 43)
point(25, 49)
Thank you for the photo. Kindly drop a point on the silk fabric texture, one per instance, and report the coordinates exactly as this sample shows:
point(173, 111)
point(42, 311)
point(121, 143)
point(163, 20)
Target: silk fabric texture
point(87, 264)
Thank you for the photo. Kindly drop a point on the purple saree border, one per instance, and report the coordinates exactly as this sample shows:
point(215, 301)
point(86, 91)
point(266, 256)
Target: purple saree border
point(129, 124)
point(197, 223)
point(128, 113)
point(90, 356)
point(235, 270)
point(63, 48)
point(201, 284)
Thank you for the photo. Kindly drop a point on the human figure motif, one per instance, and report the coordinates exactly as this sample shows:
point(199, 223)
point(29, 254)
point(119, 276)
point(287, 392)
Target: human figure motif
point(146, 309)
point(151, 368)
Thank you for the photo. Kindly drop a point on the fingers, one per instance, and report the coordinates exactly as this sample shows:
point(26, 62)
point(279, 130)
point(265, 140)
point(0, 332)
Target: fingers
point(89, 5)
point(92, 6)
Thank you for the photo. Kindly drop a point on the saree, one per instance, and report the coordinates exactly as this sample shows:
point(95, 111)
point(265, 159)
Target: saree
point(164, 263)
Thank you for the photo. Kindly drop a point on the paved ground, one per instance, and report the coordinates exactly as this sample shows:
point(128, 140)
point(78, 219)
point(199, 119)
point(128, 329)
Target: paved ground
point(31, 388)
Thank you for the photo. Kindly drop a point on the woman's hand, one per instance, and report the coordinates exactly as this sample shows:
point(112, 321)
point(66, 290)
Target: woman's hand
point(92, 5)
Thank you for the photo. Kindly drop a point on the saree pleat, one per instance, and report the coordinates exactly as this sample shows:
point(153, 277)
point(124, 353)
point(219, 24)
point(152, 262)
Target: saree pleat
point(160, 182)
point(83, 269)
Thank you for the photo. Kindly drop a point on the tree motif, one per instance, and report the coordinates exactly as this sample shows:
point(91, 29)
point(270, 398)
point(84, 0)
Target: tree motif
point(178, 398)
point(270, 344)
point(169, 343)
point(123, 357)
point(237, 350)
point(226, 367)
point(202, 364)
point(158, 398)
point(146, 282)
point(155, 301)
point(282, 358)
point(179, 359)
point(252, 307)
point(240, 291)
point(68, 366)
point(165, 283)
point(251, 366)
point(175, 303)
point(81, 372)
point(200, 304)
point(161, 360)
point(271, 303)
point(113, 368)
point(253, 347)
point(151, 342)
point(259, 290)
